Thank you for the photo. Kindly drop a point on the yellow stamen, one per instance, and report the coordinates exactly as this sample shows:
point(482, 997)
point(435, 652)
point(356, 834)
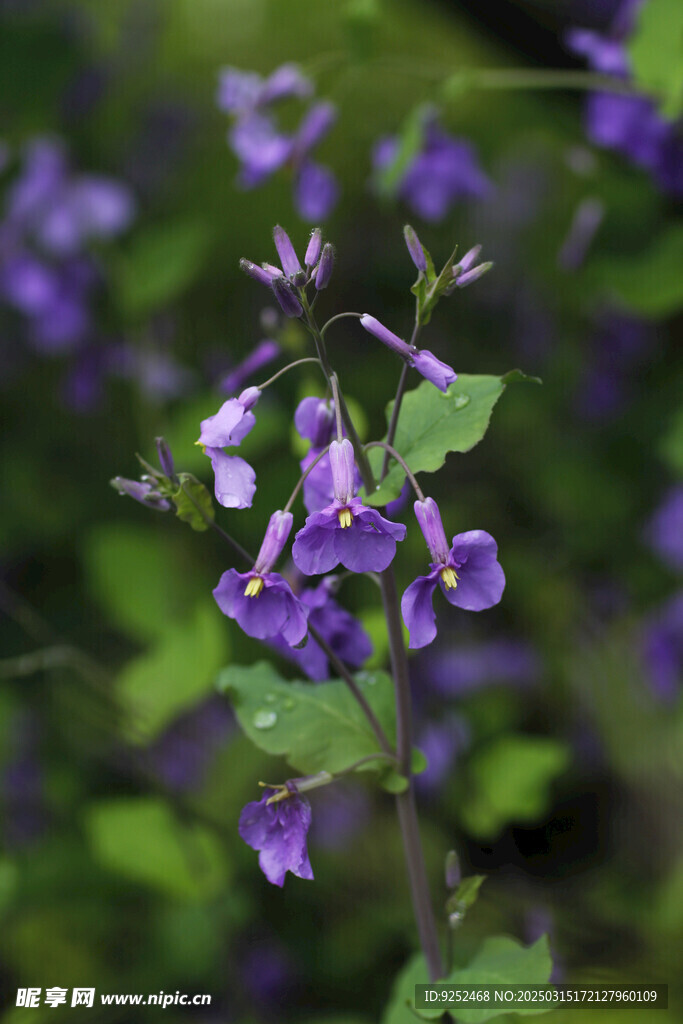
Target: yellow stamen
point(449, 576)
point(345, 517)
point(253, 587)
point(202, 446)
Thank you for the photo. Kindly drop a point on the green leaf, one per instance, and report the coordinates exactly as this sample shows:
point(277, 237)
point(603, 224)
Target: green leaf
point(142, 840)
point(316, 727)
point(410, 138)
point(400, 1008)
point(432, 424)
point(656, 51)
point(510, 782)
point(159, 265)
point(466, 895)
point(648, 282)
point(193, 503)
point(157, 686)
point(504, 961)
point(394, 782)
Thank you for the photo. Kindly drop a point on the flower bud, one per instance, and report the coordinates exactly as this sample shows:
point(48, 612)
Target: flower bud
point(285, 250)
point(467, 262)
point(386, 336)
point(256, 272)
point(324, 271)
point(429, 520)
point(249, 397)
point(313, 250)
point(470, 276)
point(415, 248)
point(432, 369)
point(343, 470)
point(165, 457)
point(277, 532)
point(289, 303)
point(145, 493)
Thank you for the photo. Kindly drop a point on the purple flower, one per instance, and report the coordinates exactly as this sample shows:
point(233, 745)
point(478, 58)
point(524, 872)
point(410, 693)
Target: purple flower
point(233, 421)
point(264, 353)
point(182, 754)
point(234, 479)
point(469, 574)
point(431, 368)
point(444, 171)
point(453, 673)
point(261, 601)
point(336, 625)
point(662, 649)
point(314, 421)
point(316, 191)
point(278, 831)
point(345, 531)
point(441, 743)
point(664, 532)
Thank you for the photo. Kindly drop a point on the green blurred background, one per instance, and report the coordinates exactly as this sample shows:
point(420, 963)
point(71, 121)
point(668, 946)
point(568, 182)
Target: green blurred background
point(122, 773)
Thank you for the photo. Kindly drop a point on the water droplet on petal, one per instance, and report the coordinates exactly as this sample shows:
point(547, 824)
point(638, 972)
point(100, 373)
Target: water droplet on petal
point(264, 719)
point(460, 401)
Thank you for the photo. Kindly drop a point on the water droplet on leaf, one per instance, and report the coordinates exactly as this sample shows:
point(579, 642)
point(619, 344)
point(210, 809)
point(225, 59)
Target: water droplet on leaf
point(264, 719)
point(288, 704)
point(460, 401)
point(270, 698)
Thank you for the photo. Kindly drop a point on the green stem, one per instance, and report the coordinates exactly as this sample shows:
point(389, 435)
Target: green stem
point(402, 463)
point(286, 369)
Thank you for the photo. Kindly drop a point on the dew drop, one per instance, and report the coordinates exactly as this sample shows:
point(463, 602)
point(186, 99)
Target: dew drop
point(460, 401)
point(270, 698)
point(288, 704)
point(264, 719)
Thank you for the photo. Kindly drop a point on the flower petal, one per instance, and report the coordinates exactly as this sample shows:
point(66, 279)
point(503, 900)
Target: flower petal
point(481, 578)
point(235, 480)
point(418, 613)
point(313, 550)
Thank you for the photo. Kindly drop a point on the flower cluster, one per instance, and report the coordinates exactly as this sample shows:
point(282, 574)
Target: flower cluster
point(631, 125)
point(263, 148)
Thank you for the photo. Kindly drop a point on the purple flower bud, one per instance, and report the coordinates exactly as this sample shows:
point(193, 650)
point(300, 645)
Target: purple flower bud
point(165, 457)
point(467, 262)
point(440, 374)
point(386, 336)
point(325, 267)
point(314, 245)
point(289, 303)
point(277, 532)
point(415, 248)
point(256, 272)
point(343, 476)
point(472, 275)
point(145, 493)
point(271, 271)
point(429, 519)
point(314, 420)
point(285, 250)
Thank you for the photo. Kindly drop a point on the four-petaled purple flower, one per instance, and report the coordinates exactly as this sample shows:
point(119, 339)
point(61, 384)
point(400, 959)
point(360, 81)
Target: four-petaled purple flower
point(263, 148)
point(261, 601)
point(234, 477)
point(345, 531)
point(468, 573)
point(278, 831)
point(445, 170)
point(432, 369)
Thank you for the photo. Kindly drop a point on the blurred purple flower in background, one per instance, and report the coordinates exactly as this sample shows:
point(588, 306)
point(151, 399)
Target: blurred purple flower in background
point(263, 148)
point(22, 797)
point(631, 125)
point(444, 171)
point(454, 673)
point(662, 649)
point(182, 755)
point(619, 344)
point(664, 532)
point(442, 743)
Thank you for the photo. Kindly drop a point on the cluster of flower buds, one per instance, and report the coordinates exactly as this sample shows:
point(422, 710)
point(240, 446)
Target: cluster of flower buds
point(430, 286)
point(154, 489)
point(288, 281)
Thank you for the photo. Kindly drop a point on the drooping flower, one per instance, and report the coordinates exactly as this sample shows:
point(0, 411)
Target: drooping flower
point(336, 625)
point(468, 573)
point(261, 601)
point(278, 831)
point(345, 531)
point(233, 421)
point(431, 368)
point(444, 171)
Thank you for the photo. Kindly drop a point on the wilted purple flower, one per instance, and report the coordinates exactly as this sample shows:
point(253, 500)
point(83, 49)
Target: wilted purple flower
point(278, 831)
point(261, 601)
point(431, 368)
point(345, 531)
point(336, 625)
point(631, 125)
point(664, 532)
point(662, 649)
point(233, 421)
point(444, 171)
point(264, 353)
point(469, 574)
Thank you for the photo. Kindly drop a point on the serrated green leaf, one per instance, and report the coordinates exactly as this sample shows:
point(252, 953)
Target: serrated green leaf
point(142, 840)
point(510, 782)
point(181, 667)
point(432, 424)
point(504, 961)
point(316, 727)
point(193, 503)
point(656, 51)
point(158, 265)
